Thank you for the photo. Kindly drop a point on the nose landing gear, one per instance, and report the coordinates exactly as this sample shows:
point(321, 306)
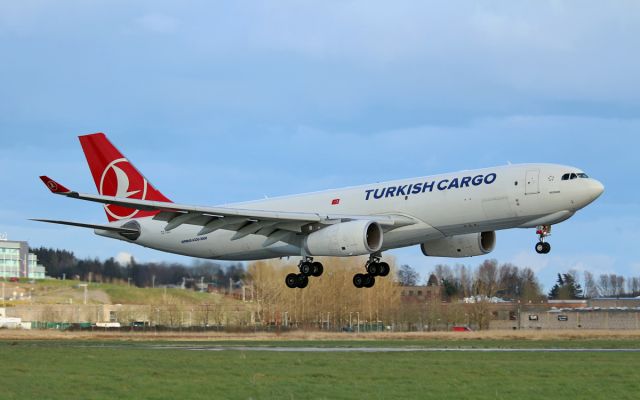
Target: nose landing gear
point(543, 231)
point(308, 268)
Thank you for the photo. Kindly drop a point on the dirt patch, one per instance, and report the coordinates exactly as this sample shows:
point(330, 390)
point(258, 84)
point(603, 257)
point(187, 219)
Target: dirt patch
point(317, 336)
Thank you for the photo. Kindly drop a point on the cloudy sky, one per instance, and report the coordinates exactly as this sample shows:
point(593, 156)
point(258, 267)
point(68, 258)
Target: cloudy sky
point(228, 101)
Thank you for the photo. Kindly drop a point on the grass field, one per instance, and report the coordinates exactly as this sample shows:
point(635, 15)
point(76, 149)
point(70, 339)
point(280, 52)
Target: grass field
point(140, 370)
point(53, 291)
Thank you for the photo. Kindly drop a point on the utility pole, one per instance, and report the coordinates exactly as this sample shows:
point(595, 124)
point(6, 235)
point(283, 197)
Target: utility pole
point(84, 285)
point(153, 281)
point(3, 304)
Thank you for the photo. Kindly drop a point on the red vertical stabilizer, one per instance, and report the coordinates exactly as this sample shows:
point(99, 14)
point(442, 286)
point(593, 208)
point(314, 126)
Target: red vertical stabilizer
point(115, 176)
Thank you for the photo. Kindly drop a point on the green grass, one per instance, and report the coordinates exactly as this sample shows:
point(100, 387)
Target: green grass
point(55, 370)
point(53, 291)
point(428, 343)
point(123, 294)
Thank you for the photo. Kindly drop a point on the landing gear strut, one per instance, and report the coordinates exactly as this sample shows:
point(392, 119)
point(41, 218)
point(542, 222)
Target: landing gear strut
point(308, 268)
point(374, 268)
point(543, 247)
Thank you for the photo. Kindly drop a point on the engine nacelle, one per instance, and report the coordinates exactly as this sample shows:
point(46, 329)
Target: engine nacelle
point(469, 245)
point(353, 238)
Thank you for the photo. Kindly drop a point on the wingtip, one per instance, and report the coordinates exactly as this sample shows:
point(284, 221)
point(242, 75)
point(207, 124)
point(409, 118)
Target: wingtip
point(54, 186)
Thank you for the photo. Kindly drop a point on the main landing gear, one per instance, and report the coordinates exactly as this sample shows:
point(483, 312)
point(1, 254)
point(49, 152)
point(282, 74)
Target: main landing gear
point(543, 247)
point(374, 268)
point(307, 268)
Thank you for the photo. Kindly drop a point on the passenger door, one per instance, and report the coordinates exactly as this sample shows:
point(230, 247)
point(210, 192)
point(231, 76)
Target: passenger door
point(532, 182)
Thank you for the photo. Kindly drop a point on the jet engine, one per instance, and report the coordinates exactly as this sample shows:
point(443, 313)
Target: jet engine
point(353, 238)
point(469, 245)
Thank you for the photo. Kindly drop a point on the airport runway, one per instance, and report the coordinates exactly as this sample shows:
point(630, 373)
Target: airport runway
point(309, 349)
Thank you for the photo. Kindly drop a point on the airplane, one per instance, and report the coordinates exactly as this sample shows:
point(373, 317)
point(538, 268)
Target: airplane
point(449, 215)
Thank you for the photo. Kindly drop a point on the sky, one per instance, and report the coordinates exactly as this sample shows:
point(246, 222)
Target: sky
point(228, 101)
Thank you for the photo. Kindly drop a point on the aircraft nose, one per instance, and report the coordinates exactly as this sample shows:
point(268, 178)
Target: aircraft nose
point(596, 189)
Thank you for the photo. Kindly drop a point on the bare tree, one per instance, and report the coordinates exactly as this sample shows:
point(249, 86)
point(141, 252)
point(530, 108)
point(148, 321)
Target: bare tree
point(633, 286)
point(330, 302)
point(604, 286)
point(408, 276)
point(529, 289)
point(464, 279)
point(590, 286)
point(486, 281)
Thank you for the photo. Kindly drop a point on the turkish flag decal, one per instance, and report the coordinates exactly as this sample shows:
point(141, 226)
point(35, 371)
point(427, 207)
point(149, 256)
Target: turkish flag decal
point(335, 202)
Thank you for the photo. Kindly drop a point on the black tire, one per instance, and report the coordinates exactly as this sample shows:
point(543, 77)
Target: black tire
point(306, 269)
point(540, 246)
point(547, 248)
point(370, 280)
point(291, 281)
point(384, 269)
point(358, 280)
point(317, 268)
point(373, 269)
point(303, 281)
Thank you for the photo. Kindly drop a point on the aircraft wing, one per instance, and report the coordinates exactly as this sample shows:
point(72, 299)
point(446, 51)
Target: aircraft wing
point(272, 224)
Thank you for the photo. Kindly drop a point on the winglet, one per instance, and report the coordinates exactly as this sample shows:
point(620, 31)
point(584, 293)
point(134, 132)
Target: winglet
point(54, 186)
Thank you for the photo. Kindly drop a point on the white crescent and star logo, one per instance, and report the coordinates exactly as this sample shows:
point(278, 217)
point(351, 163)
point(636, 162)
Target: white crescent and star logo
point(128, 184)
point(53, 186)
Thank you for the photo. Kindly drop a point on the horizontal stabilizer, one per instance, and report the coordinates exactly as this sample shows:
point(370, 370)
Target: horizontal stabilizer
point(92, 226)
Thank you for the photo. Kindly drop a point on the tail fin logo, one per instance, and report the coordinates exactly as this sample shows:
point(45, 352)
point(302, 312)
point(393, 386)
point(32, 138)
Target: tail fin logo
point(120, 179)
point(53, 186)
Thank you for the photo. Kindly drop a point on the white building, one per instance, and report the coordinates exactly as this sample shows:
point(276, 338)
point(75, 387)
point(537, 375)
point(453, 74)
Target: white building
point(17, 262)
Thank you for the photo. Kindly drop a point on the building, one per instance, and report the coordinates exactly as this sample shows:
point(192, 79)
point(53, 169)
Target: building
point(432, 292)
point(17, 262)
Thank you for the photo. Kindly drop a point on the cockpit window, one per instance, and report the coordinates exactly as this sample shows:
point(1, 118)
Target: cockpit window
point(574, 175)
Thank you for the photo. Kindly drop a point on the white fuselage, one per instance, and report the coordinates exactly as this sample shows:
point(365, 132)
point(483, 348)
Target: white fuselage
point(512, 196)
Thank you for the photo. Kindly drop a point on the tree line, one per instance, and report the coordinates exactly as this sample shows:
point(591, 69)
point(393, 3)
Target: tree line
point(510, 282)
point(488, 279)
point(64, 264)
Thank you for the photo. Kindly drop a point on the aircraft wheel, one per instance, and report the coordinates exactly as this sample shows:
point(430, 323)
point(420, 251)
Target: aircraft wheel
point(547, 248)
point(317, 268)
point(358, 280)
point(373, 269)
point(370, 280)
point(540, 246)
point(292, 281)
point(306, 268)
point(303, 281)
point(384, 269)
